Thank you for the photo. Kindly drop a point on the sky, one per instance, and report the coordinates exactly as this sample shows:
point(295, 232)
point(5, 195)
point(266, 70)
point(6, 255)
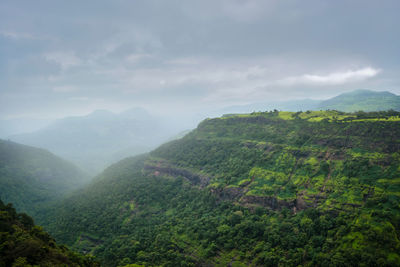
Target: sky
point(61, 58)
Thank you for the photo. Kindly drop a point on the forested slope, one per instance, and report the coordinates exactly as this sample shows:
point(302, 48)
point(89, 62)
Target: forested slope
point(31, 177)
point(274, 188)
point(22, 243)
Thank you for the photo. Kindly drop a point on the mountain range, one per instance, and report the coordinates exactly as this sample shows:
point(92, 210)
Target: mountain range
point(278, 188)
point(364, 100)
point(315, 188)
point(101, 138)
point(358, 100)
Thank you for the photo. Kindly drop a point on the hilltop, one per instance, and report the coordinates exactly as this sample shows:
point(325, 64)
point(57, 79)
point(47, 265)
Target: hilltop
point(357, 100)
point(96, 140)
point(364, 100)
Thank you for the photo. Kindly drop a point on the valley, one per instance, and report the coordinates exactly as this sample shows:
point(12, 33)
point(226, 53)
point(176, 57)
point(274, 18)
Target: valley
point(270, 188)
point(32, 178)
point(212, 133)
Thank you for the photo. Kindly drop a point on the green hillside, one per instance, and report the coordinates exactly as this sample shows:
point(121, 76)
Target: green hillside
point(24, 244)
point(263, 189)
point(31, 177)
point(364, 100)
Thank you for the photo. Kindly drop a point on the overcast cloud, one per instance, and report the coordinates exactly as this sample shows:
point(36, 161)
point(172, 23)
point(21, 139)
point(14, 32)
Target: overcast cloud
point(60, 58)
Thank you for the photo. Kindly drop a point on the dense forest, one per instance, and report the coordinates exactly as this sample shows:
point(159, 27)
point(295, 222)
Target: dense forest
point(263, 189)
point(211, 133)
point(22, 243)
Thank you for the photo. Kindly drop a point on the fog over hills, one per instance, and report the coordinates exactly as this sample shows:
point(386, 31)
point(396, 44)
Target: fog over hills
point(14, 126)
point(200, 133)
point(317, 188)
point(101, 137)
point(31, 177)
point(365, 100)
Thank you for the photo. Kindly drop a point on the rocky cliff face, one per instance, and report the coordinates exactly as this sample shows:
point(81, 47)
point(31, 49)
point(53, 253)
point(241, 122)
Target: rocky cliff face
point(160, 169)
point(288, 160)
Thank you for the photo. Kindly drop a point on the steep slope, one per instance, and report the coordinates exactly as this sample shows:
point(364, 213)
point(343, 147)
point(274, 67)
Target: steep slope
point(95, 141)
point(285, 149)
point(364, 100)
point(31, 177)
point(24, 244)
point(277, 188)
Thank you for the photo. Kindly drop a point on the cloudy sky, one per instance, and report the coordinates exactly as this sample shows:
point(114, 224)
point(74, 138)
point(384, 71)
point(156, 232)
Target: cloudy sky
point(61, 58)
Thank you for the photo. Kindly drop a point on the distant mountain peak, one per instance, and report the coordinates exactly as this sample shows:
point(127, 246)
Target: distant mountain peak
point(101, 137)
point(361, 99)
point(366, 92)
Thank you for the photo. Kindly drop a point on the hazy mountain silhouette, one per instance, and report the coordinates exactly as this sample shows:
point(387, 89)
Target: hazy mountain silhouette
point(31, 177)
point(100, 138)
point(365, 100)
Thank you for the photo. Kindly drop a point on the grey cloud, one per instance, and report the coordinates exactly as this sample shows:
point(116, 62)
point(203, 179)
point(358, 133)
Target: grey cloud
point(177, 54)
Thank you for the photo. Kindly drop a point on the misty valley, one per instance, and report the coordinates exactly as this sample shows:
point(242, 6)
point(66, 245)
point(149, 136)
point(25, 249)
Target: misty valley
point(210, 133)
point(275, 188)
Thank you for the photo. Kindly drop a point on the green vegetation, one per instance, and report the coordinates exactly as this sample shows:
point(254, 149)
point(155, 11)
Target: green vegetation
point(364, 100)
point(31, 177)
point(24, 244)
point(270, 189)
point(358, 100)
